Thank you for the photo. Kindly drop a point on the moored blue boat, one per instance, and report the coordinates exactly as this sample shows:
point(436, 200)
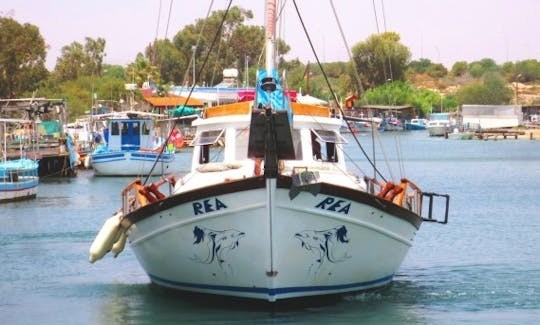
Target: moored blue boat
point(132, 148)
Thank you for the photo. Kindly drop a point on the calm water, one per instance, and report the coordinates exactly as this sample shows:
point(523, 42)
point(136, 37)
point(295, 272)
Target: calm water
point(482, 268)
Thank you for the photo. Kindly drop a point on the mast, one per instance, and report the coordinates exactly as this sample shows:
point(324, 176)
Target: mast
point(270, 35)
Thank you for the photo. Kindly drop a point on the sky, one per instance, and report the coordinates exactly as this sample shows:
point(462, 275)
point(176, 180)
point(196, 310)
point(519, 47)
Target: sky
point(444, 31)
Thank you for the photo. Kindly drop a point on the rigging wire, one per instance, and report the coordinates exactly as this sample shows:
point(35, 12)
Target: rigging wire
point(158, 21)
point(358, 81)
point(375, 13)
point(168, 18)
point(186, 73)
point(331, 89)
point(203, 65)
point(153, 52)
point(384, 24)
point(383, 15)
point(355, 70)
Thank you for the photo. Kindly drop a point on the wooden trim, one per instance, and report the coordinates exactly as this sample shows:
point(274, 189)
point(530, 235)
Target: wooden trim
point(229, 109)
point(312, 110)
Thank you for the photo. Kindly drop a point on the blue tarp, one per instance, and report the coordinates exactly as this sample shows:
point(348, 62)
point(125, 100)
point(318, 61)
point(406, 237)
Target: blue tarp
point(277, 98)
point(183, 111)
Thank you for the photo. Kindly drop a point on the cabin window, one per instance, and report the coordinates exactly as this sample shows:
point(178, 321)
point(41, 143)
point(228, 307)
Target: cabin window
point(136, 129)
point(208, 140)
point(115, 130)
point(324, 142)
point(207, 137)
point(124, 128)
point(145, 129)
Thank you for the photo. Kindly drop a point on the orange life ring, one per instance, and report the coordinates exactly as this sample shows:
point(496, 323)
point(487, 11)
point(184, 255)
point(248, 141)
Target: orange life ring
point(387, 188)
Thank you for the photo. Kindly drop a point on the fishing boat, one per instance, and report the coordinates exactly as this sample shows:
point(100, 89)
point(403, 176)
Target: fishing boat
point(131, 147)
point(416, 124)
point(272, 214)
point(18, 177)
point(45, 140)
point(438, 124)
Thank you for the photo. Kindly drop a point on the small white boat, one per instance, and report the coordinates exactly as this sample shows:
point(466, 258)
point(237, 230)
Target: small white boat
point(274, 213)
point(18, 177)
point(438, 124)
point(132, 147)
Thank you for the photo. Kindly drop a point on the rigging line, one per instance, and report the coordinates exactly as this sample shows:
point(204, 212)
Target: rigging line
point(385, 30)
point(153, 53)
point(385, 156)
point(158, 21)
point(186, 73)
point(383, 15)
point(355, 70)
point(203, 65)
point(400, 156)
point(168, 18)
point(375, 13)
point(330, 87)
point(216, 63)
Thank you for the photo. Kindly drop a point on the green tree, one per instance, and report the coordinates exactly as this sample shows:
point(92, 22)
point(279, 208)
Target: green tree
point(95, 51)
point(114, 71)
point(459, 69)
point(70, 64)
point(222, 55)
point(437, 71)
point(170, 61)
point(141, 71)
point(22, 58)
point(420, 66)
point(527, 70)
point(491, 91)
point(79, 60)
point(381, 58)
point(402, 93)
point(478, 68)
point(236, 43)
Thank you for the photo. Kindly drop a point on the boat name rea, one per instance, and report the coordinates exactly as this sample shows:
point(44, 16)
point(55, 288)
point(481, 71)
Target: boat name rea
point(205, 206)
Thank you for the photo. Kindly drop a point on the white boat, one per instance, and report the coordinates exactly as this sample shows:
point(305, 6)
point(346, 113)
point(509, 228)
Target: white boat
point(18, 177)
point(132, 147)
point(438, 124)
point(269, 215)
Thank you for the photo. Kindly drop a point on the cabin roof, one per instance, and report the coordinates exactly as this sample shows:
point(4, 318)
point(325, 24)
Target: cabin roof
point(173, 101)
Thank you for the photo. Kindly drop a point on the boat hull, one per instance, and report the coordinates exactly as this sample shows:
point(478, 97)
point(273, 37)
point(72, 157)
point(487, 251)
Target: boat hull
point(437, 131)
point(131, 163)
point(415, 127)
point(25, 188)
point(18, 180)
point(231, 241)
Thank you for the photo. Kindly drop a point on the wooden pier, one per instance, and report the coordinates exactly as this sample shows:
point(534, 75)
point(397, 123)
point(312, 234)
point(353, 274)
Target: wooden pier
point(497, 133)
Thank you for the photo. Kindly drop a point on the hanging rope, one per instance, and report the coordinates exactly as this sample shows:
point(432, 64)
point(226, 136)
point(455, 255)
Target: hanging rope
point(331, 89)
point(168, 19)
point(184, 82)
point(205, 61)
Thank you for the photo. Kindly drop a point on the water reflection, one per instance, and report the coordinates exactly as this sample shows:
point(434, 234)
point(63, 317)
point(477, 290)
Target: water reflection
point(148, 303)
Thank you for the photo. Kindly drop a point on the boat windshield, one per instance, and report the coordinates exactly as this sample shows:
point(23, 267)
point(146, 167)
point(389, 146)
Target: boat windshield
point(207, 137)
point(329, 136)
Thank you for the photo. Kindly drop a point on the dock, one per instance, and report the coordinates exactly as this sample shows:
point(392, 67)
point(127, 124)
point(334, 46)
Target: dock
point(497, 133)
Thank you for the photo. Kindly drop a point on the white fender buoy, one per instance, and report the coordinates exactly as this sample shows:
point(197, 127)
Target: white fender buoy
point(105, 238)
point(87, 162)
point(119, 245)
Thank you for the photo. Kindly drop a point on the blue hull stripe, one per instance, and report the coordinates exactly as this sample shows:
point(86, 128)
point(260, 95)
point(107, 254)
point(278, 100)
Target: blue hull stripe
point(275, 291)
